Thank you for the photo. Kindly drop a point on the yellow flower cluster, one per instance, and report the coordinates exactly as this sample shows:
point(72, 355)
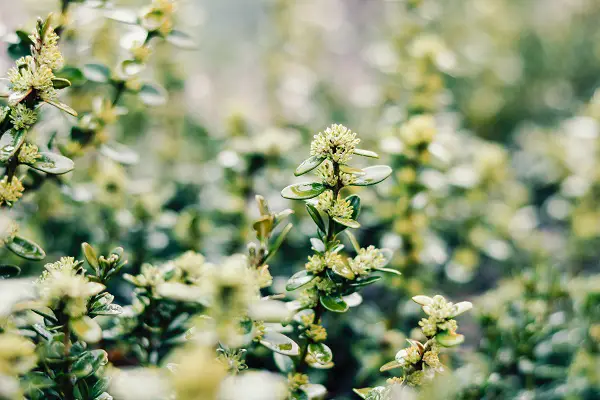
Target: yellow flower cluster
point(338, 208)
point(61, 286)
point(22, 117)
point(29, 153)
point(336, 143)
point(11, 191)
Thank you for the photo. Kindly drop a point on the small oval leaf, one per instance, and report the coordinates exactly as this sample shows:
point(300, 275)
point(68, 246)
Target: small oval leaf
point(280, 343)
point(9, 271)
point(334, 303)
point(26, 248)
point(308, 165)
point(52, 163)
point(181, 40)
point(299, 279)
point(120, 153)
point(87, 329)
point(448, 339)
point(365, 153)
point(303, 191)
point(316, 216)
point(96, 73)
point(152, 94)
point(320, 352)
point(373, 175)
point(9, 143)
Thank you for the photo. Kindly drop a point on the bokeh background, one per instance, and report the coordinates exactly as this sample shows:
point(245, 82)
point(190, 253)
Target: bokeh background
point(500, 208)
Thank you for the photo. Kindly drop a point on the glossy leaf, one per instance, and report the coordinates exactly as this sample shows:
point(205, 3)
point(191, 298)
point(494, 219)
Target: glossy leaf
point(366, 281)
point(122, 15)
point(52, 163)
point(278, 242)
point(461, 307)
point(321, 352)
point(120, 153)
point(299, 279)
point(152, 94)
point(9, 271)
point(62, 107)
point(389, 270)
point(99, 73)
point(422, 300)
point(354, 201)
point(343, 270)
point(351, 170)
point(89, 363)
point(373, 175)
point(90, 255)
point(87, 329)
point(26, 248)
point(317, 245)
point(303, 191)
point(363, 393)
point(60, 83)
point(17, 97)
point(316, 216)
point(314, 391)
point(353, 300)
point(181, 40)
point(353, 240)
point(348, 222)
point(284, 363)
point(390, 365)
point(334, 303)
point(365, 153)
point(280, 343)
point(9, 143)
point(308, 165)
point(448, 339)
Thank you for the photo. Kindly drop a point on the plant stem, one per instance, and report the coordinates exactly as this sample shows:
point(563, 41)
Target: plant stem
point(67, 385)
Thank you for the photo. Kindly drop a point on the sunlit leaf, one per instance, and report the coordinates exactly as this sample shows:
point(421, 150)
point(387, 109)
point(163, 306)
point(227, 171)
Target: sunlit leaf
point(181, 40)
point(280, 343)
point(26, 248)
point(334, 303)
point(151, 94)
point(373, 175)
point(120, 153)
point(9, 143)
point(365, 153)
point(53, 163)
point(303, 191)
point(299, 279)
point(308, 165)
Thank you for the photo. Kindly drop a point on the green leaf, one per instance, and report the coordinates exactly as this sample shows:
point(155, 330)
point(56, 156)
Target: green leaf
point(317, 245)
point(60, 83)
point(353, 240)
point(9, 271)
point(122, 15)
point(366, 281)
point(314, 391)
point(299, 279)
point(280, 343)
point(391, 365)
point(62, 107)
point(26, 248)
point(284, 363)
point(373, 175)
point(350, 223)
point(353, 300)
point(130, 68)
point(52, 163)
point(303, 191)
point(87, 329)
point(351, 170)
point(321, 352)
point(316, 216)
point(72, 74)
point(263, 227)
point(17, 97)
point(89, 363)
point(90, 255)
point(181, 40)
point(37, 380)
point(151, 94)
point(365, 153)
point(120, 153)
point(461, 307)
point(308, 165)
point(99, 73)
point(343, 270)
point(334, 303)
point(9, 143)
point(354, 201)
point(278, 242)
point(363, 393)
point(448, 339)
point(422, 300)
point(390, 270)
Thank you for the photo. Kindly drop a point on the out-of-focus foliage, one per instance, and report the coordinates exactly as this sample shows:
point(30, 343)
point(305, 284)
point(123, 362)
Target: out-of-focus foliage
point(155, 126)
